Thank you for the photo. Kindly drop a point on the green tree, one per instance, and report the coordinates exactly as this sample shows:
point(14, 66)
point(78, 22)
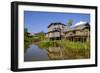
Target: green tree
point(25, 30)
point(27, 39)
point(41, 35)
point(69, 22)
point(26, 35)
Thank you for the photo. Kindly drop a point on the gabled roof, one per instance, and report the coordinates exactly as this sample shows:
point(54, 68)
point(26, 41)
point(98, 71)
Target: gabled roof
point(56, 23)
point(79, 27)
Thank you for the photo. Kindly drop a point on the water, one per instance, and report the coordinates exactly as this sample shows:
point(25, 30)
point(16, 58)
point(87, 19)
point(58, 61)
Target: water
point(34, 53)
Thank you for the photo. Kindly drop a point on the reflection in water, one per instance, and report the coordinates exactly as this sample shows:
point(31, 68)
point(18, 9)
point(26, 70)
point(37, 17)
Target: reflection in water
point(34, 53)
point(58, 53)
point(26, 46)
point(55, 53)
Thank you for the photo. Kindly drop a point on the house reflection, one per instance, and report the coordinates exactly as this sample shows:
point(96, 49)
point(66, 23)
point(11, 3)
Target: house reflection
point(55, 53)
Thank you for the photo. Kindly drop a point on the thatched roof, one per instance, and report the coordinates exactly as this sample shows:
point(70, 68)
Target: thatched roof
point(54, 31)
point(57, 23)
point(79, 27)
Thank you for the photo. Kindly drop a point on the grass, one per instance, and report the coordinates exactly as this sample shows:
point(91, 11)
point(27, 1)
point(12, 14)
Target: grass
point(46, 44)
point(73, 50)
point(76, 49)
point(65, 44)
point(74, 45)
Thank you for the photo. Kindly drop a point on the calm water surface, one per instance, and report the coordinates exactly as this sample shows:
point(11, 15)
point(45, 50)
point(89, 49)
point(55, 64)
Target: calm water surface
point(35, 53)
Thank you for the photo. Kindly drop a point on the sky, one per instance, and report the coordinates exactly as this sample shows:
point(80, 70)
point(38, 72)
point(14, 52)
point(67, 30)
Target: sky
point(36, 21)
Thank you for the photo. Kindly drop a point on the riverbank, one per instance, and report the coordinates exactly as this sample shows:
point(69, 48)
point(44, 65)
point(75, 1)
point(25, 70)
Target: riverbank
point(64, 44)
point(77, 50)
